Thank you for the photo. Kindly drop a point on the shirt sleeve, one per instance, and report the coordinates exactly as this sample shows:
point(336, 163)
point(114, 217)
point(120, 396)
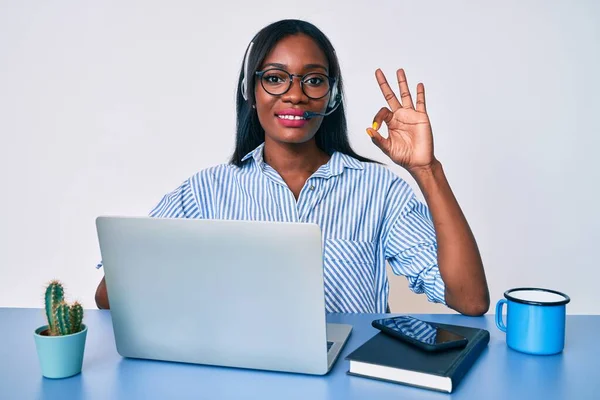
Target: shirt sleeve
point(180, 203)
point(410, 244)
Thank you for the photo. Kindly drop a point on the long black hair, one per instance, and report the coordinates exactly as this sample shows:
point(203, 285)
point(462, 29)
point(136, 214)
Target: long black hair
point(333, 132)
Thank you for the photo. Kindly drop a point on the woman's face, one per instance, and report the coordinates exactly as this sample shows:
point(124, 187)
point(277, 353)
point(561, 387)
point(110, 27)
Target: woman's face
point(281, 115)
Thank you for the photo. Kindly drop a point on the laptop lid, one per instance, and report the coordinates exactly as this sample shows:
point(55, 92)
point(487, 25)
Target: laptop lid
point(231, 293)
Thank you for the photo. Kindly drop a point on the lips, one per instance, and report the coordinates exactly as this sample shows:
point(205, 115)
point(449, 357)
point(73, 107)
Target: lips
point(291, 118)
point(297, 112)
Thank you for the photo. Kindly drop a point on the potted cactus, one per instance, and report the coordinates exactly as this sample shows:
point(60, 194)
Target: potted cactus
point(60, 343)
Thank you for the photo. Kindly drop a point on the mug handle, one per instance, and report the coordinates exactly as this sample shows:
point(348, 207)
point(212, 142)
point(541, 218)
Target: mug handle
point(499, 323)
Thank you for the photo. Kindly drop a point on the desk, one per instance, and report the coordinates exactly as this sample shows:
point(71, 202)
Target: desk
point(500, 373)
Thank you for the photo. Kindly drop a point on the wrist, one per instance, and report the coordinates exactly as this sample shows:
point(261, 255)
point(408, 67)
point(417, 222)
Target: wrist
point(426, 171)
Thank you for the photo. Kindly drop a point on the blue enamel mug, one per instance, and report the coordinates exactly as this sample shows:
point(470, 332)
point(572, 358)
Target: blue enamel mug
point(535, 320)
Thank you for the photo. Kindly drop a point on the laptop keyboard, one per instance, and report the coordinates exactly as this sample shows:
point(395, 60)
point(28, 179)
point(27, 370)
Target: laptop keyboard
point(329, 344)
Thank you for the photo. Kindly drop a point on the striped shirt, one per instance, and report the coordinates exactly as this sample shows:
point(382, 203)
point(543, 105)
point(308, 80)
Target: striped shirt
point(367, 215)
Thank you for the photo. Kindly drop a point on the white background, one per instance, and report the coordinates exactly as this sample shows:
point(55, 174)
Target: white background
point(106, 106)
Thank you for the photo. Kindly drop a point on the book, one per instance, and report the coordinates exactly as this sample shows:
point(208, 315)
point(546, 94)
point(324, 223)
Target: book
point(390, 359)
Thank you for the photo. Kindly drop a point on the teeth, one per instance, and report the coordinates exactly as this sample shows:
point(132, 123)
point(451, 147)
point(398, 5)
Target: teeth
point(294, 117)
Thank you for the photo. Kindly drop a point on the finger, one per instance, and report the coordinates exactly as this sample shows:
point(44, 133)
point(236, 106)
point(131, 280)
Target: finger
point(387, 91)
point(383, 115)
point(404, 90)
point(378, 140)
point(421, 107)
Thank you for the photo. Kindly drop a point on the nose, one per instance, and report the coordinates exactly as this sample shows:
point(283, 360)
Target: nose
point(295, 94)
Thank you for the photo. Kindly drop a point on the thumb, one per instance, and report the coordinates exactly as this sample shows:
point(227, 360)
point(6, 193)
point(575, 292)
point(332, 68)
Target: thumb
point(378, 140)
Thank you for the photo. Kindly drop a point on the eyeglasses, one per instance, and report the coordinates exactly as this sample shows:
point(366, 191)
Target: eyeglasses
point(277, 81)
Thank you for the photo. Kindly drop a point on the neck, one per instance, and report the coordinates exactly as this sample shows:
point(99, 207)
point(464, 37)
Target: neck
point(287, 158)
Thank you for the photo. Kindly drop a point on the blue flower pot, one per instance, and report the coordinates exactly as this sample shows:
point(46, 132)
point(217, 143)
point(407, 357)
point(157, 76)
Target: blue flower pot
point(60, 356)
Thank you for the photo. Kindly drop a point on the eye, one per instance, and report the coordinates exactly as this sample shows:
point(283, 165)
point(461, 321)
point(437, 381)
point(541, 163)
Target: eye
point(275, 77)
point(315, 80)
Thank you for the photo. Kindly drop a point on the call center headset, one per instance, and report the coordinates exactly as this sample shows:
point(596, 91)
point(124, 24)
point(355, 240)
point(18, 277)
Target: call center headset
point(334, 99)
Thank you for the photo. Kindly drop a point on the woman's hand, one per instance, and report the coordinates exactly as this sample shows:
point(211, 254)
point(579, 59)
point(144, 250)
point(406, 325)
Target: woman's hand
point(410, 144)
point(410, 139)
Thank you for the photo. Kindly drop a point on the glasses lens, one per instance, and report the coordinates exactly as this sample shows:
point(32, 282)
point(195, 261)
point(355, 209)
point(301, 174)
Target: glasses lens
point(275, 81)
point(315, 85)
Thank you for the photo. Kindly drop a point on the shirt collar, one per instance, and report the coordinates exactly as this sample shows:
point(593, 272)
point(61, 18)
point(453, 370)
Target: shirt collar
point(335, 166)
point(257, 154)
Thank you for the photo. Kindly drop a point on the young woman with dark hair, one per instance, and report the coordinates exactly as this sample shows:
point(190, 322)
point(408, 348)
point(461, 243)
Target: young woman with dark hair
point(293, 162)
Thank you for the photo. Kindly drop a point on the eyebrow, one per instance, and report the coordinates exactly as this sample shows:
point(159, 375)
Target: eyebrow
point(306, 66)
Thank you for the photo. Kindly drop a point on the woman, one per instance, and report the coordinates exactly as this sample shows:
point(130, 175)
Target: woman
point(293, 162)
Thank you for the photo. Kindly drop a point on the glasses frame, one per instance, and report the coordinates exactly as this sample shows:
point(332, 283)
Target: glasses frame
point(260, 75)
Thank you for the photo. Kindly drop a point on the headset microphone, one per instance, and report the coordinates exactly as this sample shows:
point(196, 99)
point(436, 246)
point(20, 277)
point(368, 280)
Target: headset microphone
point(312, 114)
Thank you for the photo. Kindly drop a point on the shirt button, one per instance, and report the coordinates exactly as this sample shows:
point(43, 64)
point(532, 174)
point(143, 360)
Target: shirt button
point(312, 187)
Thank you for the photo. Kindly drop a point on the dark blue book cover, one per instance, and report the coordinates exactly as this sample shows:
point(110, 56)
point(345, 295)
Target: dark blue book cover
point(389, 359)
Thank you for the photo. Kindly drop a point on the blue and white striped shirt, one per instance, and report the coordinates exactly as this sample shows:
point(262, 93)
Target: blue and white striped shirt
point(366, 213)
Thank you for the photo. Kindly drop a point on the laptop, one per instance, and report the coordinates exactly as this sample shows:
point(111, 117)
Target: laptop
point(243, 294)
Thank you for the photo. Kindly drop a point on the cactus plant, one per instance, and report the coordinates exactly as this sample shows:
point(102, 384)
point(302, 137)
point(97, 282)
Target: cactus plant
point(76, 315)
point(62, 318)
point(54, 296)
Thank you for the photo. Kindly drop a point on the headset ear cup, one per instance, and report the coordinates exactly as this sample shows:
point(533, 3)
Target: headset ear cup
point(334, 97)
point(243, 88)
point(244, 84)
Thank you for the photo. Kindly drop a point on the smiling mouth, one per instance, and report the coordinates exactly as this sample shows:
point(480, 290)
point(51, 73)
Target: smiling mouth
point(291, 117)
point(292, 121)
